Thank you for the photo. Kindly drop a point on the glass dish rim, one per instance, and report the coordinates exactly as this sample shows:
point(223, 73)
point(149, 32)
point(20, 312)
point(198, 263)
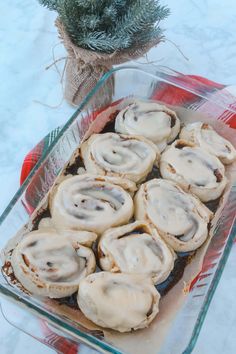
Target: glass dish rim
point(155, 71)
point(162, 73)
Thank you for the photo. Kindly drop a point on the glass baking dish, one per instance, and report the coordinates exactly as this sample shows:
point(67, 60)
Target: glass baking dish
point(32, 315)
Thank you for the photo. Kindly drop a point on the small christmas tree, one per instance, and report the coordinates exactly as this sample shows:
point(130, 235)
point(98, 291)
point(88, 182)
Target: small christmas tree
point(98, 34)
point(110, 25)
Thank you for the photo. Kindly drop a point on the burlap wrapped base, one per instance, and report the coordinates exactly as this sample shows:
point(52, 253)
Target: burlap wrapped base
point(85, 67)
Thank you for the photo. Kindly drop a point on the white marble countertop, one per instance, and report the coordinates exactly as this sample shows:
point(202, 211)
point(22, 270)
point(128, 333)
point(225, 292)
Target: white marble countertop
point(204, 30)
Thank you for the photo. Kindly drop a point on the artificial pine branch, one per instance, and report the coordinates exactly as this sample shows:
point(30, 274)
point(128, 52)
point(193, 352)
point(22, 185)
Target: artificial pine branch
point(110, 25)
point(51, 4)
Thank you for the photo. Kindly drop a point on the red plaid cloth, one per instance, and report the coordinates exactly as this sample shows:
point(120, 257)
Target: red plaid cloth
point(170, 95)
point(164, 92)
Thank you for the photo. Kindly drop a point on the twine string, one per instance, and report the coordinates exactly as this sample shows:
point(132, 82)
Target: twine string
point(61, 75)
point(84, 68)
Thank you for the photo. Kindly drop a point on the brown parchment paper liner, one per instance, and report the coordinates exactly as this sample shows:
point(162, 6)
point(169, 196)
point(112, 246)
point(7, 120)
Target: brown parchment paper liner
point(148, 340)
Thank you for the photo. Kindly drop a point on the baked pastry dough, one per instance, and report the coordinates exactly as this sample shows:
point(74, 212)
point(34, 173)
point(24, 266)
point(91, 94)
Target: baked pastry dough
point(149, 119)
point(180, 218)
point(136, 248)
point(90, 203)
point(194, 169)
point(126, 156)
point(118, 301)
point(206, 137)
point(84, 238)
point(48, 264)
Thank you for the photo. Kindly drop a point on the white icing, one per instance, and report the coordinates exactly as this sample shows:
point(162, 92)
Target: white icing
point(45, 223)
point(90, 203)
point(48, 264)
point(84, 238)
point(149, 119)
point(194, 169)
point(124, 250)
point(180, 218)
point(118, 301)
point(112, 154)
point(207, 138)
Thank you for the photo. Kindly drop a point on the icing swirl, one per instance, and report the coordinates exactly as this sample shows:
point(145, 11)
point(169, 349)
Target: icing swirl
point(126, 156)
point(206, 137)
point(180, 218)
point(149, 119)
point(136, 248)
point(194, 169)
point(90, 203)
point(48, 264)
point(118, 301)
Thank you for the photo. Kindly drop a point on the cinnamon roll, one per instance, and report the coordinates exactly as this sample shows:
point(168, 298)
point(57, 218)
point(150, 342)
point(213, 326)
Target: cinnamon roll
point(84, 238)
point(45, 223)
point(122, 302)
point(180, 218)
point(206, 137)
point(90, 203)
point(194, 169)
point(47, 264)
point(149, 119)
point(136, 248)
point(126, 156)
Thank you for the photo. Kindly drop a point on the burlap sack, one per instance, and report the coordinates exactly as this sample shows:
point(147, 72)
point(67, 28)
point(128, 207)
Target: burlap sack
point(85, 67)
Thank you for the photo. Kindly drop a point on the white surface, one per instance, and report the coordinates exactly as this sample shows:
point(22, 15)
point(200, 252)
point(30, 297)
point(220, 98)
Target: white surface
point(204, 30)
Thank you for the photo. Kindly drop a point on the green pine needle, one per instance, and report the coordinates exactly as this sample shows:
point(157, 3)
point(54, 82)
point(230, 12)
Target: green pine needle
point(110, 25)
point(51, 4)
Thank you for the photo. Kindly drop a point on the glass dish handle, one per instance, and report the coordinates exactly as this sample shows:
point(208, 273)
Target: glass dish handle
point(196, 85)
point(41, 330)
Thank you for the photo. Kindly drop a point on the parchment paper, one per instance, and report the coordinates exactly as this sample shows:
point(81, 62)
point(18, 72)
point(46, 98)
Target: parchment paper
point(149, 340)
